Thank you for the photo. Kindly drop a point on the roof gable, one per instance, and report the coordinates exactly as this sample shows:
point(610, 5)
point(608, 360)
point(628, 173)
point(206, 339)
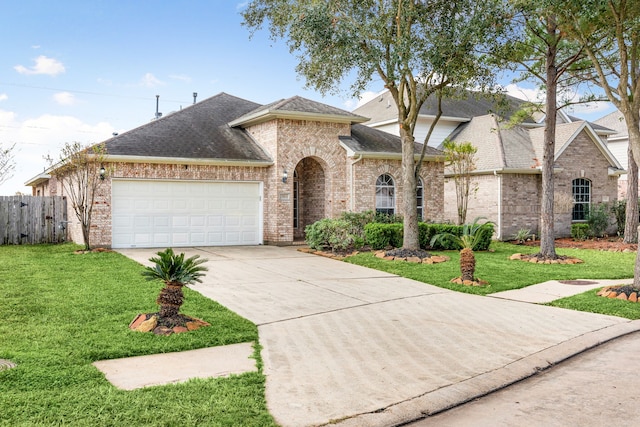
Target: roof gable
point(296, 108)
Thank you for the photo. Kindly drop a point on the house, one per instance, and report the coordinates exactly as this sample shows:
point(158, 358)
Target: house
point(618, 144)
point(228, 171)
point(506, 184)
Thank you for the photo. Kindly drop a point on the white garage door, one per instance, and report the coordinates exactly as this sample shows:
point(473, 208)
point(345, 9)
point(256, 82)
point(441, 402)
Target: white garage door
point(154, 214)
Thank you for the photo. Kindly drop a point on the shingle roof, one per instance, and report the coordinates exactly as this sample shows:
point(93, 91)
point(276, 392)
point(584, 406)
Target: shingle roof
point(465, 106)
point(616, 122)
point(200, 131)
point(501, 147)
point(213, 129)
point(298, 107)
point(365, 139)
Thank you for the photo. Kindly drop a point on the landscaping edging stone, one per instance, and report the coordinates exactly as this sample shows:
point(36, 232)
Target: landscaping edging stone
point(613, 292)
point(146, 322)
point(433, 259)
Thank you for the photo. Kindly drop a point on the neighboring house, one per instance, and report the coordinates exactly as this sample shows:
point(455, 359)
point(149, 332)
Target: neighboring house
point(618, 144)
point(508, 174)
point(227, 171)
point(507, 180)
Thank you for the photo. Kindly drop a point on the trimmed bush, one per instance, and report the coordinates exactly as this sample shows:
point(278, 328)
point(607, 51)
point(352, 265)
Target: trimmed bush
point(380, 236)
point(579, 231)
point(333, 234)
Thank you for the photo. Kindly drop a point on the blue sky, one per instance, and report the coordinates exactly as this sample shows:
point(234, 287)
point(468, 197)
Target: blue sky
point(81, 70)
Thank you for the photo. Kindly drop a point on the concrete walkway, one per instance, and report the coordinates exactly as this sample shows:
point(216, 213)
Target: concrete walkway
point(352, 346)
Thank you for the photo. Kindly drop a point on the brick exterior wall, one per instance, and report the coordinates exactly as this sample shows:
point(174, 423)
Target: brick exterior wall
point(582, 159)
point(366, 172)
point(312, 150)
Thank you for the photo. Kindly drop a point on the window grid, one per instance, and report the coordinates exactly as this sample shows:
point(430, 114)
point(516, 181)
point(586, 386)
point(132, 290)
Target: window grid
point(385, 195)
point(581, 189)
point(420, 199)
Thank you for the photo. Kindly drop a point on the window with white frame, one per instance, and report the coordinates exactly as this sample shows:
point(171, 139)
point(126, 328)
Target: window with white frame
point(581, 191)
point(385, 195)
point(420, 198)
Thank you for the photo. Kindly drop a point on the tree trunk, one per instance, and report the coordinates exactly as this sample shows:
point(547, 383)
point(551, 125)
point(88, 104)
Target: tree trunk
point(467, 264)
point(410, 207)
point(170, 299)
point(631, 210)
point(547, 234)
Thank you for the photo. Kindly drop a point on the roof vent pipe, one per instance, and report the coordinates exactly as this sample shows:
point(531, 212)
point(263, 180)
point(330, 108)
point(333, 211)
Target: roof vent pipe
point(158, 113)
point(195, 95)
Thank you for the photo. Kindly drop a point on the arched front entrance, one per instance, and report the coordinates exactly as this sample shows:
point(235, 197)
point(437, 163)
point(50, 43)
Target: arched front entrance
point(309, 192)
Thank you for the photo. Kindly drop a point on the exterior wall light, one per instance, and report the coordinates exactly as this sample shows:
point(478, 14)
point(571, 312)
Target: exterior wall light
point(284, 176)
point(102, 172)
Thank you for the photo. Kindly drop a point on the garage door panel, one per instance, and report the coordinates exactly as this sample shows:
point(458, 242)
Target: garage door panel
point(149, 213)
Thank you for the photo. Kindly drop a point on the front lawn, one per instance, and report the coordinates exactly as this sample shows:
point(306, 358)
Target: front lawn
point(60, 312)
point(504, 274)
point(589, 301)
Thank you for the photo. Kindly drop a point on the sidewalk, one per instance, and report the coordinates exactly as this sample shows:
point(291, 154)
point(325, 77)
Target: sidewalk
point(351, 346)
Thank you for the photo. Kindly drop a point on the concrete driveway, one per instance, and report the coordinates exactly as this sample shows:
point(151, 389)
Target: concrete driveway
point(352, 346)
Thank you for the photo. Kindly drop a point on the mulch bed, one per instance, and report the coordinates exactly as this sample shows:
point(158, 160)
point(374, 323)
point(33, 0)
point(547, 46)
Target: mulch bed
point(611, 244)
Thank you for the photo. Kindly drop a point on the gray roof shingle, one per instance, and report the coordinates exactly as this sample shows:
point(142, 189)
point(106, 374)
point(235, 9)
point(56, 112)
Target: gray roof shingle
point(465, 105)
point(212, 130)
point(365, 139)
point(200, 131)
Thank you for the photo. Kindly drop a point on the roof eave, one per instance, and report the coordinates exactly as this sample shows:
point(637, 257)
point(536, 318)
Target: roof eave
point(266, 115)
point(38, 179)
point(187, 161)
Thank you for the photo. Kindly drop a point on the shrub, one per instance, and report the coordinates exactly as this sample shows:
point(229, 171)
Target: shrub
point(380, 236)
point(598, 220)
point(579, 231)
point(619, 211)
point(333, 234)
point(522, 235)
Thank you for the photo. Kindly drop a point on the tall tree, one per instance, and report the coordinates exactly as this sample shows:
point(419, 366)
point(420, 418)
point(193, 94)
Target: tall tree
point(610, 32)
point(7, 162)
point(540, 47)
point(81, 171)
point(416, 47)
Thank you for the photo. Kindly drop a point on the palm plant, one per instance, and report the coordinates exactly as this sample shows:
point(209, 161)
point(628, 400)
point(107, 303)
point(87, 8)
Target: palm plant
point(467, 242)
point(175, 271)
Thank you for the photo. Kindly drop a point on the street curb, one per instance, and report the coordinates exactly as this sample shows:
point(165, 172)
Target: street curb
point(448, 397)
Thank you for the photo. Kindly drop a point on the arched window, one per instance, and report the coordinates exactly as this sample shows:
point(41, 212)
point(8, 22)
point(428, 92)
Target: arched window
point(581, 191)
point(420, 198)
point(385, 195)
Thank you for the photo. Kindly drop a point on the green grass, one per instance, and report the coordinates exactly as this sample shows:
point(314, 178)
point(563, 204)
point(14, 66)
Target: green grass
point(589, 301)
point(60, 312)
point(504, 274)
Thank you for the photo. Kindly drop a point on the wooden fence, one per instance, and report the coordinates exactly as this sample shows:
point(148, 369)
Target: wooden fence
point(32, 219)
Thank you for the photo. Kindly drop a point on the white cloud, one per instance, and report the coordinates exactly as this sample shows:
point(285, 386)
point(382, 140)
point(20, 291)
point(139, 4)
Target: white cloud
point(181, 77)
point(39, 136)
point(527, 94)
point(43, 65)
point(64, 98)
point(3, 96)
point(587, 111)
point(149, 80)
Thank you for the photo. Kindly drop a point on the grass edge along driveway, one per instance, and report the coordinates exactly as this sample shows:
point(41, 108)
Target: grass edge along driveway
point(62, 311)
point(504, 274)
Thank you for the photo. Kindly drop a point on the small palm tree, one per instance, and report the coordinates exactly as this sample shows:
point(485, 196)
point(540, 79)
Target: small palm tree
point(468, 241)
point(175, 272)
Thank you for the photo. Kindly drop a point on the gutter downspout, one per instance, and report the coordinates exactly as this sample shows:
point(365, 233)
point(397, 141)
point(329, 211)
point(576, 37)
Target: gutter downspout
point(353, 190)
point(495, 172)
